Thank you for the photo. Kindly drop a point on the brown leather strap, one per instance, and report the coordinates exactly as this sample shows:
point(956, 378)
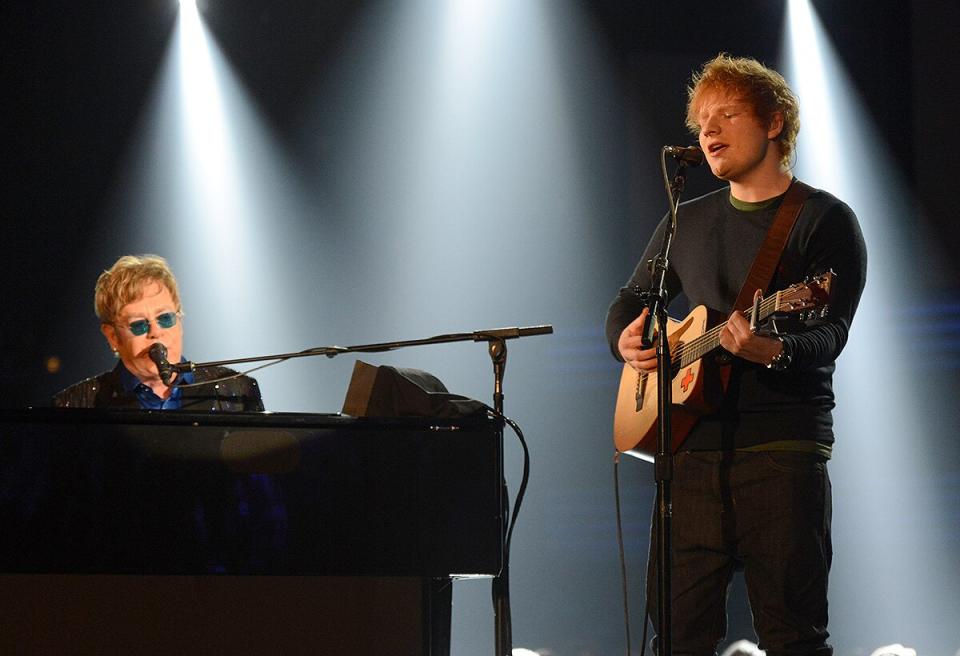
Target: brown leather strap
point(765, 263)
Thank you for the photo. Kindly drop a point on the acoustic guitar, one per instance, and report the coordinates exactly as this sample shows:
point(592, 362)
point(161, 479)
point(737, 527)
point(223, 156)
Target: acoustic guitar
point(698, 383)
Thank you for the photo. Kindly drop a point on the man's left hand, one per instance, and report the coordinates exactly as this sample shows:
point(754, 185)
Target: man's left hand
point(739, 340)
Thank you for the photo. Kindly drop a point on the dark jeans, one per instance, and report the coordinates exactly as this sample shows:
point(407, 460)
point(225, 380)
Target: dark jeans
point(767, 512)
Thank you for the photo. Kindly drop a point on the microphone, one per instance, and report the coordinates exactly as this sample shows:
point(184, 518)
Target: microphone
point(512, 333)
point(690, 155)
point(158, 353)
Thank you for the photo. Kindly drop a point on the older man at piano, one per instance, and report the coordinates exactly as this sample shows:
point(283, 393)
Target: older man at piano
point(138, 304)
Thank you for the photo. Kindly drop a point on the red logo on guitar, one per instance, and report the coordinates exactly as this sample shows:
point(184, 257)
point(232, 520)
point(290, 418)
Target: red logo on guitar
point(687, 379)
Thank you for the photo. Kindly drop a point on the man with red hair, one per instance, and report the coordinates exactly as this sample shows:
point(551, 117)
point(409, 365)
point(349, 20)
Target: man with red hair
point(750, 484)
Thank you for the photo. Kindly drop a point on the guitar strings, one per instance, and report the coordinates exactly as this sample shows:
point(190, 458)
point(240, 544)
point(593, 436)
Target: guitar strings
point(688, 352)
point(696, 348)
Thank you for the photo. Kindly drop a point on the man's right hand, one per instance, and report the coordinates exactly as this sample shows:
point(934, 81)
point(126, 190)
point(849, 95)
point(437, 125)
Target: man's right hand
point(630, 346)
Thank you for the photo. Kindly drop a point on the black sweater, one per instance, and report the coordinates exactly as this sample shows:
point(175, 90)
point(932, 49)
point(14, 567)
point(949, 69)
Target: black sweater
point(713, 249)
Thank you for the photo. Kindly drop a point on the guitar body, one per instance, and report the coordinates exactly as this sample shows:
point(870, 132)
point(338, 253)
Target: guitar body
point(697, 388)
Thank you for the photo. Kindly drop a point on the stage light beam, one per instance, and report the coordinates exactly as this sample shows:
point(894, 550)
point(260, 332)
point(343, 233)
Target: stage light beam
point(206, 185)
point(882, 582)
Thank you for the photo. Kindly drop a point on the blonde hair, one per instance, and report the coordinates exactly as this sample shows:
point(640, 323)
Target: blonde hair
point(763, 88)
point(123, 283)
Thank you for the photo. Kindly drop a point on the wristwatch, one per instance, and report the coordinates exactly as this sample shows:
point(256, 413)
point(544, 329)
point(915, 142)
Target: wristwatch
point(782, 359)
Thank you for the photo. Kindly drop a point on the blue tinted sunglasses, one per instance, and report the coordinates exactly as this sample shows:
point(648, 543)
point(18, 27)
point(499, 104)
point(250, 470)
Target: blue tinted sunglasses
point(142, 326)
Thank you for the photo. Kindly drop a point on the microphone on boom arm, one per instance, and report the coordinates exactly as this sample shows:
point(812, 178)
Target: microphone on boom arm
point(689, 155)
point(158, 353)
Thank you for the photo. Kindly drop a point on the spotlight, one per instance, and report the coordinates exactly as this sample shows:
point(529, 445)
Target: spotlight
point(895, 649)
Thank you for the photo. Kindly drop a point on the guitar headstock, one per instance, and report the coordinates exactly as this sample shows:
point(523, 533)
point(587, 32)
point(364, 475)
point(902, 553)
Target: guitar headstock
point(811, 294)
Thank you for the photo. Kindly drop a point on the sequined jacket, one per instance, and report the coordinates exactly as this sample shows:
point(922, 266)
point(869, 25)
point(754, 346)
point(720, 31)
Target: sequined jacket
point(239, 394)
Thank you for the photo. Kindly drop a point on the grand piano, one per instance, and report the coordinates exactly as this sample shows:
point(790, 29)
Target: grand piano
point(168, 532)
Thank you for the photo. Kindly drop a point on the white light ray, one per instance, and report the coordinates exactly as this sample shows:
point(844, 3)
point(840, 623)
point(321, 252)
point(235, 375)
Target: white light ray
point(881, 583)
point(206, 186)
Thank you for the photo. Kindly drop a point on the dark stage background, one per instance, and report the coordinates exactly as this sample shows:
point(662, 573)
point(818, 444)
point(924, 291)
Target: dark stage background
point(376, 220)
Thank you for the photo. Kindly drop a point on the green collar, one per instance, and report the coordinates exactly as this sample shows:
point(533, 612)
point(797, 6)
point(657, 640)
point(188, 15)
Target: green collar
point(744, 206)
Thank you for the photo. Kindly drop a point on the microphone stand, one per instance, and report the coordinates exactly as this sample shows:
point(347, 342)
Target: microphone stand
point(496, 338)
point(333, 351)
point(500, 588)
point(663, 460)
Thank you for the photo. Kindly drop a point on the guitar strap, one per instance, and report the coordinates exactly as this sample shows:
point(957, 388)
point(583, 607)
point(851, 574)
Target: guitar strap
point(765, 263)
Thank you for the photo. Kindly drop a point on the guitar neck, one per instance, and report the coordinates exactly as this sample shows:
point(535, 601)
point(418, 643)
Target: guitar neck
point(709, 341)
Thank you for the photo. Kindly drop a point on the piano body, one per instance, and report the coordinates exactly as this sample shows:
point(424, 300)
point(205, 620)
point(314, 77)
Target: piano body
point(167, 532)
